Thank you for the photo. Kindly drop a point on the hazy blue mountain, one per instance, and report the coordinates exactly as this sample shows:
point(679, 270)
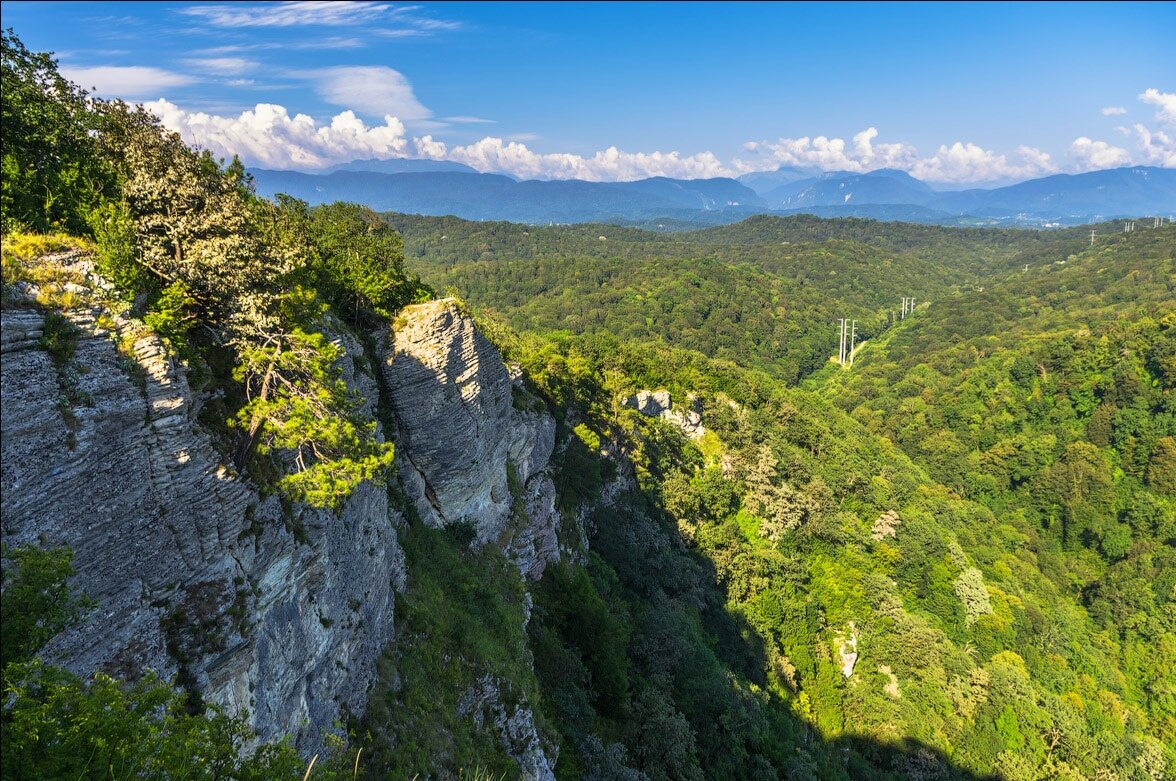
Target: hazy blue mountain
point(841, 188)
point(494, 197)
point(885, 194)
point(706, 194)
point(765, 181)
point(401, 165)
point(1118, 191)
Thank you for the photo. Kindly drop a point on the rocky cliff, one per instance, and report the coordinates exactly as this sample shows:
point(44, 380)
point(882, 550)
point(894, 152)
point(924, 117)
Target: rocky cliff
point(473, 444)
point(259, 605)
point(277, 611)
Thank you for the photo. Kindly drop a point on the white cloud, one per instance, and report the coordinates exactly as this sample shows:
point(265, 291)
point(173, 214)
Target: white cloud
point(1158, 147)
point(132, 82)
point(1167, 103)
point(612, 164)
point(428, 147)
point(400, 32)
point(462, 120)
point(1114, 111)
point(1036, 158)
point(288, 14)
point(330, 42)
point(372, 89)
point(971, 163)
point(1090, 154)
point(268, 136)
point(959, 162)
point(222, 66)
point(365, 15)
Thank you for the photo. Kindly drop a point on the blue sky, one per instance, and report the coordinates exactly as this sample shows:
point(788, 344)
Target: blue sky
point(954, 93)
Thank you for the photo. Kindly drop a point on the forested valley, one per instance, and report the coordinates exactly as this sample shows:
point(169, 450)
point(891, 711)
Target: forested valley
point(983, 500)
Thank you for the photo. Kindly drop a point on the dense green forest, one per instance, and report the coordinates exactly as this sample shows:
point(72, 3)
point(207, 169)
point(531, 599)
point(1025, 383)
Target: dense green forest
point(983, 500)
point(763, 293)
point(952, 560)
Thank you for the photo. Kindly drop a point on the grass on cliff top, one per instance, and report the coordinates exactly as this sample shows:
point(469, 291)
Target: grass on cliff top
point(26, 246)
point(20, 257)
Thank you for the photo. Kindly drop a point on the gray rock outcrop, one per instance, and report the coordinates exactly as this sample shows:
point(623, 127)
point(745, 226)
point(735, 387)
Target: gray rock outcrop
point(515, 727)
point(258, 605)
point(278, 612)
point(658, 404)
point(462, 435)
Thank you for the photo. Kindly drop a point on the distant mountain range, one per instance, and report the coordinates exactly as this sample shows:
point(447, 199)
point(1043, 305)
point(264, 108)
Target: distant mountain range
point(444, 188)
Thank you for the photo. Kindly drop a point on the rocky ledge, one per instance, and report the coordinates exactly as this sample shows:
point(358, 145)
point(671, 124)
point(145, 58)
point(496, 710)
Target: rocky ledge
point(473, 445)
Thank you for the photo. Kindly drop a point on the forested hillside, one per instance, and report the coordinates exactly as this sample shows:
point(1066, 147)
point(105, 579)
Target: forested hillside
point(992, 524)
point(765, 293)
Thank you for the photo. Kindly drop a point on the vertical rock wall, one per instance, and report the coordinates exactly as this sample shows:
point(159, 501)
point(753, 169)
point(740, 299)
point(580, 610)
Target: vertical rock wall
point(278, 612)
point(463, 427)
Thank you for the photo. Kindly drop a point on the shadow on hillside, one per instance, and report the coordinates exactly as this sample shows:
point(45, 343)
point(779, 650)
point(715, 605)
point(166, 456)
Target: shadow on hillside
point(670, 574)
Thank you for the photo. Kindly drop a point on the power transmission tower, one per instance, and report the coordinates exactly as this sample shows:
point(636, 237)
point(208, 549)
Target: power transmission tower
point(841, 349)
point(852, 341)
point(1092, 238)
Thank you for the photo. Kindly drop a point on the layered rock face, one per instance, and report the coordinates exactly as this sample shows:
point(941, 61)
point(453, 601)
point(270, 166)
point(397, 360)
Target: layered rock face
point(461, 434)
point(276, 610)
point(280, 613)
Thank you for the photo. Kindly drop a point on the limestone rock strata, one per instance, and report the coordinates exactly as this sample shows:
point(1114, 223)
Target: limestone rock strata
point(276, 610)
point(463, 426)
point(194, 574)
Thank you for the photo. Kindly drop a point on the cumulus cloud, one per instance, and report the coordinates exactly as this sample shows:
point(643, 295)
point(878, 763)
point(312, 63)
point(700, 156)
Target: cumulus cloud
point(1090, 154)
point(131, 82)
point(1157, 146)
point(1114, 111)
point(268, 136)
point(612, 164)
point(968, 162)
point(829, 154)
point(1166, 101)
point(376, 90)
point(960, 162)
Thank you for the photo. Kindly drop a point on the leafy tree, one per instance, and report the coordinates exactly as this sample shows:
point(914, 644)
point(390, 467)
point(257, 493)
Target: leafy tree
point(52, 171)
point(299, 404)
point(56, 725)
point(37, 600)
point(361, 260)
